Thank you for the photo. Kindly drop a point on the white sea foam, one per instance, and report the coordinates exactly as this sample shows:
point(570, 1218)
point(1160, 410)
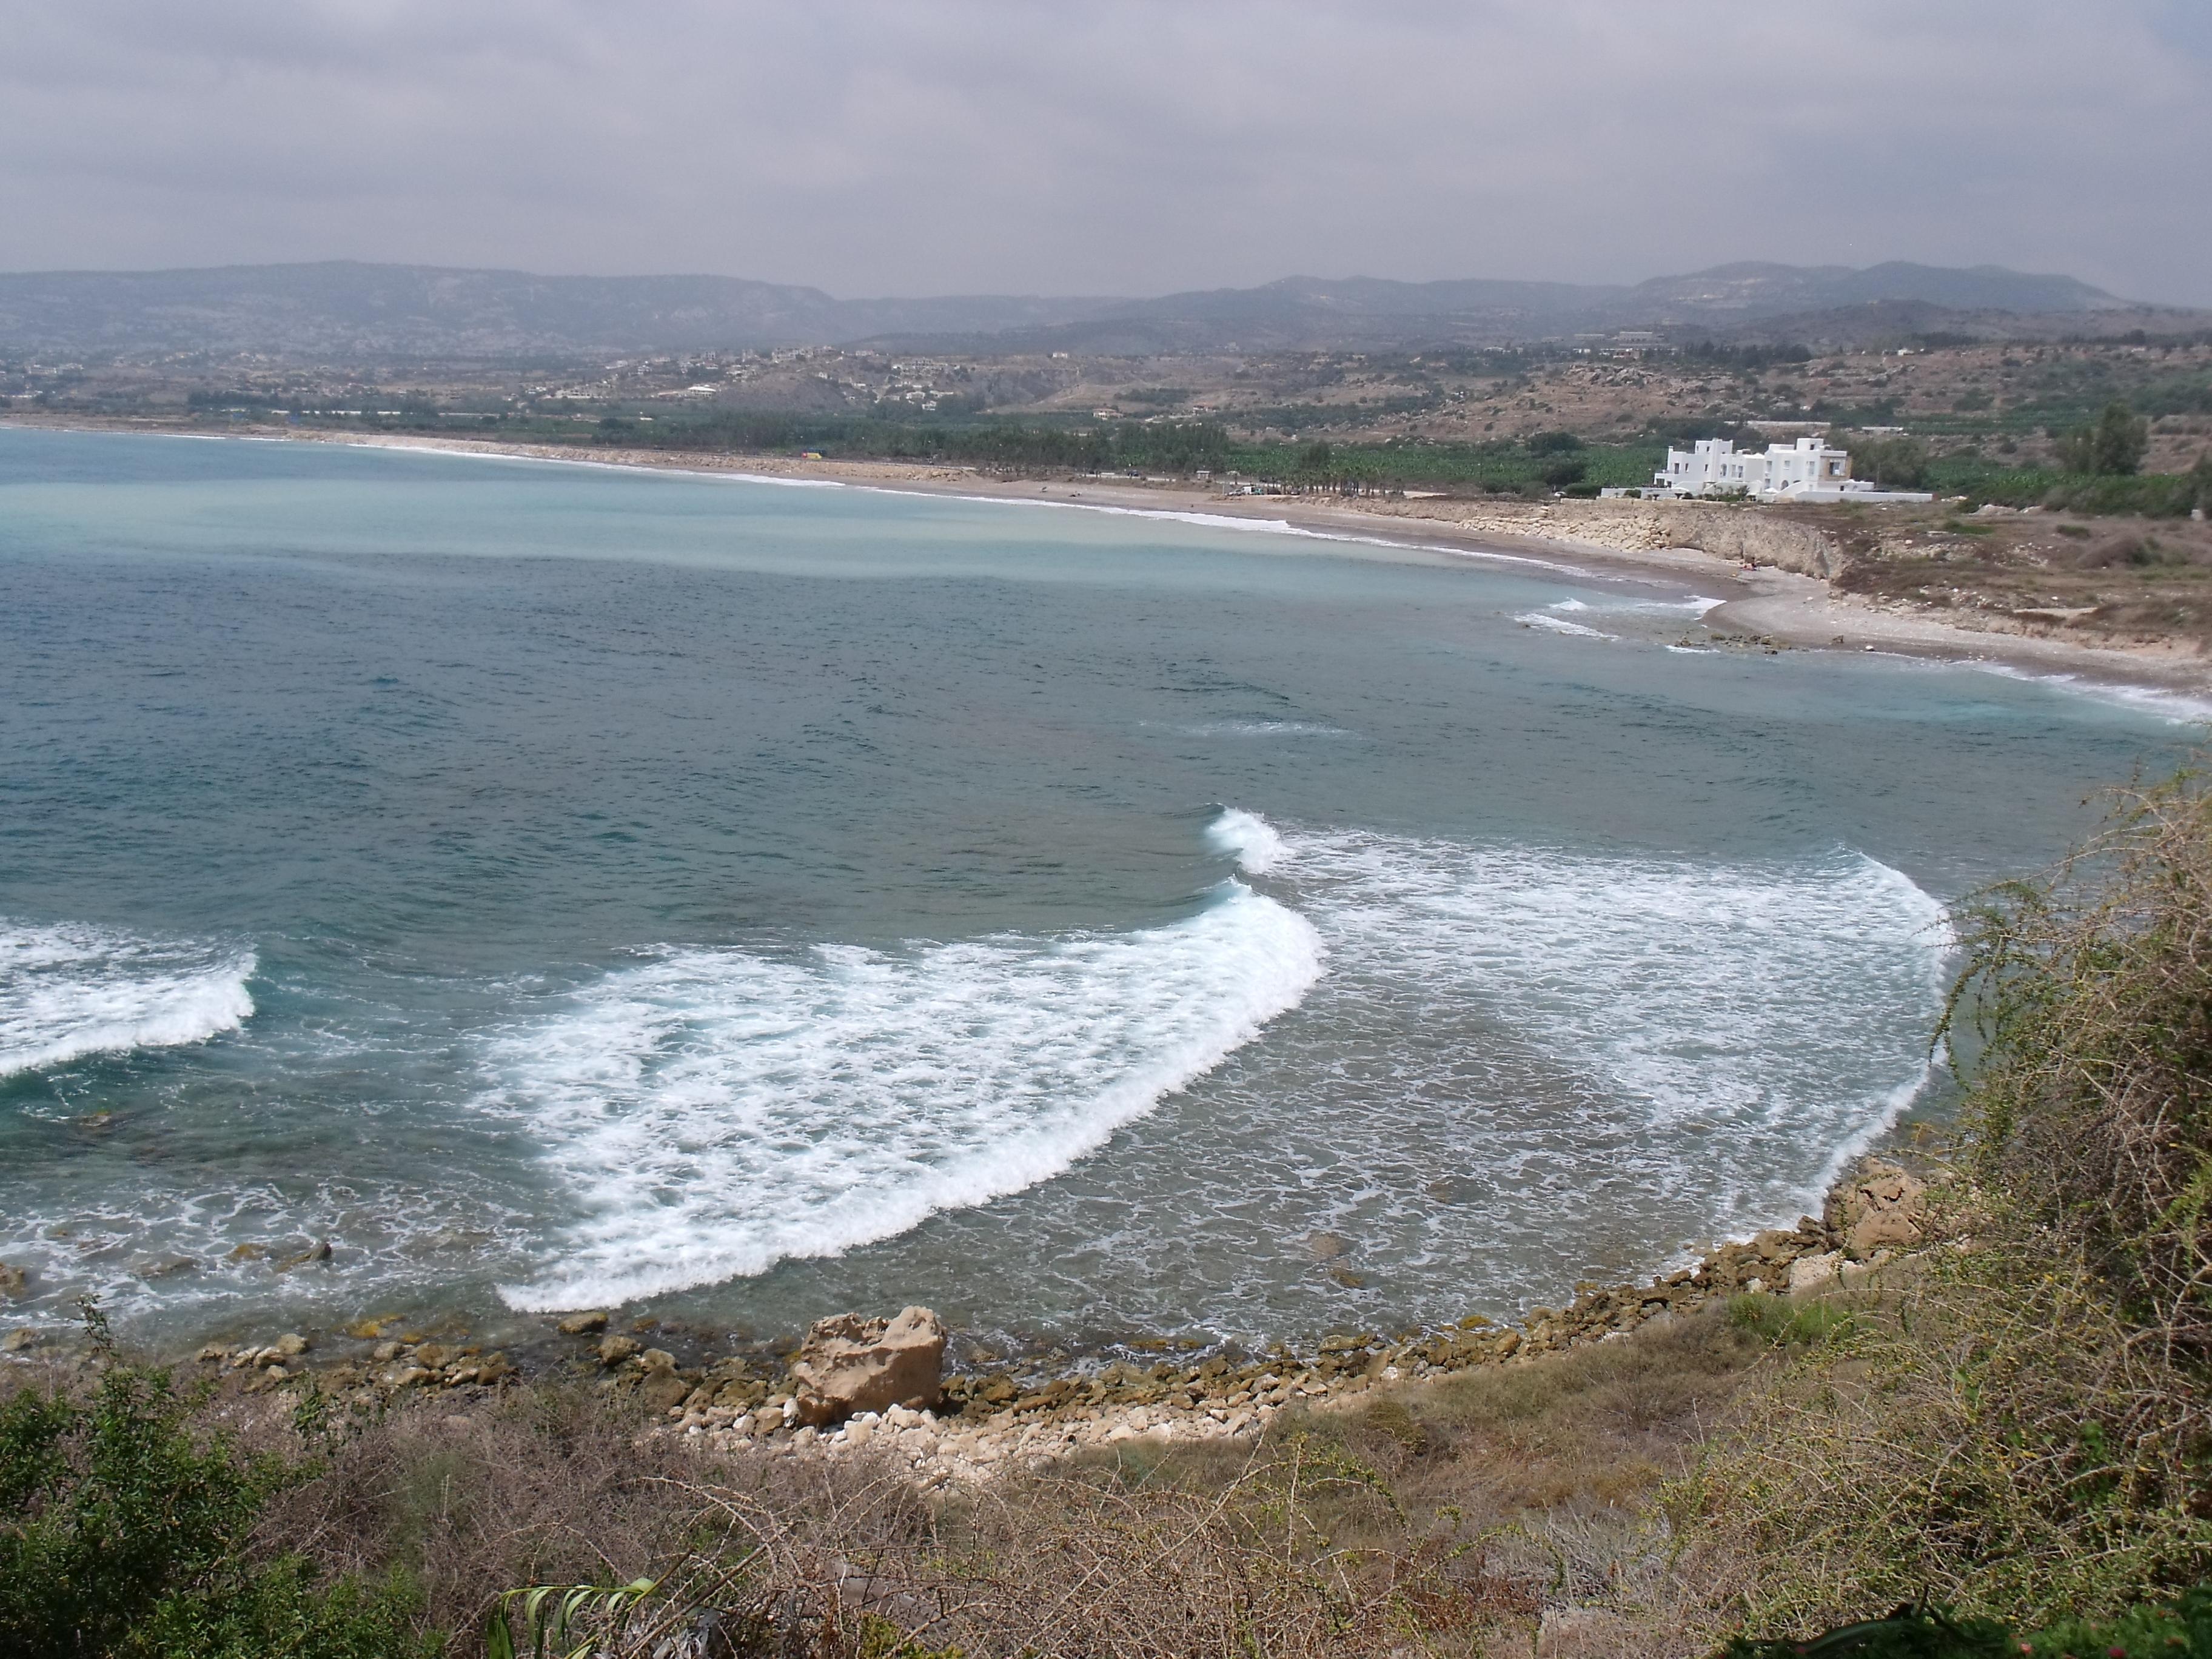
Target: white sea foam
point(2177, 708)
point(1253, 841)
point(70, 990)
point(1695, 605)
point(716, 1111)
point(1561, 625)
point(1262, 729)
point(1733, 1020)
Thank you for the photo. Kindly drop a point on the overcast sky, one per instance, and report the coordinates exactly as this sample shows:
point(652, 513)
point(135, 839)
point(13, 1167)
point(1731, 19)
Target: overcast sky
point(910, 147)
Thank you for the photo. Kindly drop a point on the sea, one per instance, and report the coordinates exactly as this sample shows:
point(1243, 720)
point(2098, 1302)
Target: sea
point(554, 887)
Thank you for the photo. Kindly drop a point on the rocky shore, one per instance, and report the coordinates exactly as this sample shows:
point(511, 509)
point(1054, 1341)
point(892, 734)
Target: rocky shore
point(857, 1383)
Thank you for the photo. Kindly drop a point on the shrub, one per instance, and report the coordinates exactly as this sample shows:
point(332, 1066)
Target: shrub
point(122, 1534)
point(1892, 462)
point(2021, 1426)
point(2092, 1110)
point(2113, 446)
point(2180, 1630)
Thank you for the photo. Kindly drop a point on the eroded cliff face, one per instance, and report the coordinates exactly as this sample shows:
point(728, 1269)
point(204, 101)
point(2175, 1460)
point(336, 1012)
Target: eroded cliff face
point(1641, 526)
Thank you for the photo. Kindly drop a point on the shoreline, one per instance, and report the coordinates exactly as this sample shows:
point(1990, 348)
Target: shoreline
point(1771, 601)
point(1030, 1413)
point(1763, 605)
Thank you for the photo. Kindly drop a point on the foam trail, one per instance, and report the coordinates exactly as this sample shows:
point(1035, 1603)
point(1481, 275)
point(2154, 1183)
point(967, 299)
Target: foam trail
point(69, 990)
point(2177, 708)
point(1561, 625)
point(1246, 837)
point(717, 1112)
point(1732, 1031)
point(1263, 729)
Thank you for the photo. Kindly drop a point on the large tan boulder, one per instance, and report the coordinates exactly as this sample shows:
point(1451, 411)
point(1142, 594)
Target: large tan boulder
point(1879, 1206)
point(851, 1364)
point(660, 1387)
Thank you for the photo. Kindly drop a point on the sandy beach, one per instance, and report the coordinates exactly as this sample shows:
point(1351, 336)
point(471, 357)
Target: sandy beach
point(1761, 603)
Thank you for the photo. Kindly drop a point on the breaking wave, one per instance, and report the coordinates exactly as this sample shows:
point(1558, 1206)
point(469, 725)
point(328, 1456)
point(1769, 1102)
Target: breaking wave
point(70, 990)
point(717, 1111)
point(1736, 1031)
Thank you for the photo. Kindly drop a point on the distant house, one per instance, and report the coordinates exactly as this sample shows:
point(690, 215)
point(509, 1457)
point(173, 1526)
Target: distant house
point(1810, 469)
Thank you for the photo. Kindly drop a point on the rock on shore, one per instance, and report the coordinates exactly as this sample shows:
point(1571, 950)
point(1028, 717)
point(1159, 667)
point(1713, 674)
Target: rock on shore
point(849, 1365)
point(860, 1383)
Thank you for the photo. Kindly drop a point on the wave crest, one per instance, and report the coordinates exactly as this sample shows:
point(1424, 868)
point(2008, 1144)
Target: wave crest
point(70, 990)
point(717, 1111)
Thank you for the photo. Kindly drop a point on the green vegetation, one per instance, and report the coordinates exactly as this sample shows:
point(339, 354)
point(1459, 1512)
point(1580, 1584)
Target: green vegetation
point(2113, 447)
point(123, 1534)
point(2013, 1424)
point(1897, 462)
point(1544, 462)
point(2180, 1629)
point(2021, 1427)
point(2154, 494)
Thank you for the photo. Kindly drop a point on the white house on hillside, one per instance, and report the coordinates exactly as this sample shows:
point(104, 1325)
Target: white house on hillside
point(1807, 470)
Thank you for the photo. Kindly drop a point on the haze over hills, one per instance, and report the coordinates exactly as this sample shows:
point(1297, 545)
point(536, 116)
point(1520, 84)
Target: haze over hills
point(352, 310)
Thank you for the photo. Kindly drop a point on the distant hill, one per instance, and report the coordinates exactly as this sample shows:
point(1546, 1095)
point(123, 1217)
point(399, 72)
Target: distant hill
point(347, 310)
point(344, 310)
point(1753, 290)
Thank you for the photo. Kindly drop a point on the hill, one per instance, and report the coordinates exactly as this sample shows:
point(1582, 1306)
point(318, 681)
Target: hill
point(344, 310)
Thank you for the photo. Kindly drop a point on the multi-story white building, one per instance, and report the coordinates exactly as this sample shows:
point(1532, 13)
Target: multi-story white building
point(1807, 470)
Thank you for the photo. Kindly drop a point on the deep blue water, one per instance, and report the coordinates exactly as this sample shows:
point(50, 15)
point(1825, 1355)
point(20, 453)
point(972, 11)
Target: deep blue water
point(558, 885)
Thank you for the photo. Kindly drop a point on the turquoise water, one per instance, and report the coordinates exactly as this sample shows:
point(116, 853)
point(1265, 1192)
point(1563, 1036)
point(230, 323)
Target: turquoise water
point(558, 886)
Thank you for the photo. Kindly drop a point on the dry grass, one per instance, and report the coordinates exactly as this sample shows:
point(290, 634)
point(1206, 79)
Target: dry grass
point(2021, 1427)
point(1988, 1434)
point(1444, 1517)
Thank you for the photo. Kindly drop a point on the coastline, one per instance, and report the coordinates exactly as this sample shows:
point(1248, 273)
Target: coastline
point(1790, 601)
point(1763, 605)
point(1030, 1413)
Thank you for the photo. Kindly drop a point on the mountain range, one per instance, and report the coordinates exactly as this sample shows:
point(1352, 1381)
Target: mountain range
point(344, 310)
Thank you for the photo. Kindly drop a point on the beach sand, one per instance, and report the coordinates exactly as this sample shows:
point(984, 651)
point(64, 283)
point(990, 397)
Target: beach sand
point(1775, 606)
point(1770, 605)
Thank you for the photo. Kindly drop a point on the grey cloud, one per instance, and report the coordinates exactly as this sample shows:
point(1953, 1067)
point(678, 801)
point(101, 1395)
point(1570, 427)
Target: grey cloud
point(869, 147)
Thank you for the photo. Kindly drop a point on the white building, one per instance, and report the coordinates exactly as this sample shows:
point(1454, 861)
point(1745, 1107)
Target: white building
point(1807, 470)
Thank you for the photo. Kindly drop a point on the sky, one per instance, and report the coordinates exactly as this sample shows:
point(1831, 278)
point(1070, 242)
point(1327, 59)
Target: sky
point(1123, 147)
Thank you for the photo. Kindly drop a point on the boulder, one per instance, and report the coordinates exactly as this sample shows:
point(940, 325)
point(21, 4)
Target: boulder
point(850, 1364)
point(616, 1349)
point(317, 1251)
point(1877, 1207)
point(582, 1324)
point(1809, 1274)
point(14, 1282)
point(660, 1387)
point(20, 1341)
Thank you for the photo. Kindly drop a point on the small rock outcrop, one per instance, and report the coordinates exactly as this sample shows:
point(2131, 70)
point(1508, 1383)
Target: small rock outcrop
point(850, 1364)
point(14, 1282)
point(1878, 1207)
point(1811, 1274)
point(661, 1385)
